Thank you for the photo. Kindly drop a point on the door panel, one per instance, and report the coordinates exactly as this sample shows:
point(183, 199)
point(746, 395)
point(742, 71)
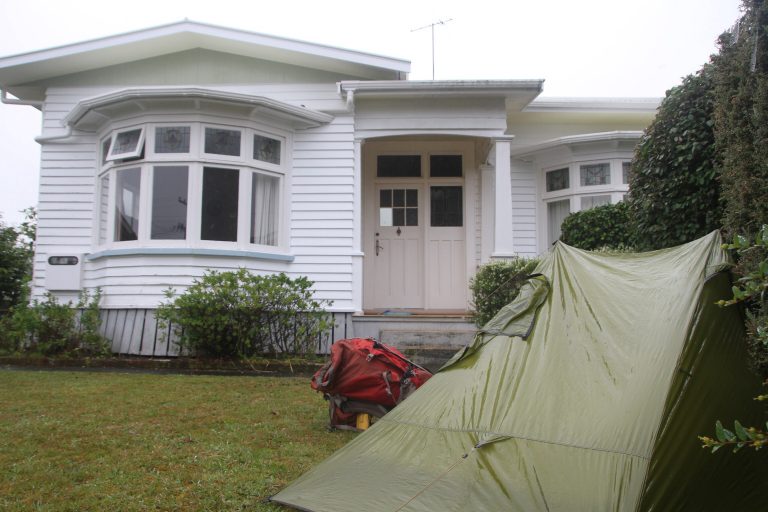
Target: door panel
point(398, 248)
point(446, 249)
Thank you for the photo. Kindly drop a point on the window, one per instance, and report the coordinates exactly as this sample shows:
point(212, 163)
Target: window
point(126, 144)
point(558, 179)
point(193, 185)
point(625, 167)
point(265, 192)
point(266, 149)
point(169, 202)
point(588, 202)
point(127, 204)
point(218, 220)
point(219, 141)
point(446, 208)
point(557, 211)
point(445, 166)
point(595, 174)
point(398, 166)
point(172, 139)
point(399, 207)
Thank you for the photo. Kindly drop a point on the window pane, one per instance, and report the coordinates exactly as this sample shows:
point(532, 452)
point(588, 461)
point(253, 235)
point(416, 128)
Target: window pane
point(264, 209)
point(592, 201)
point(169, 203)
point(398, 216)
point(398, 166)
point(558, 180)
point(266, 149)
point(385, 198)
point(103, 207)
point(557, 211)
point(105, 149)
point(446, 206)
point(445, 166)
point(172, 139)
point(398, 197)
point(219, 141)
point(411, 197)
point(126, 142)
point(625, 167)
point(411, 216)
point(127, 205)
point(219, 216)
point(595, 174)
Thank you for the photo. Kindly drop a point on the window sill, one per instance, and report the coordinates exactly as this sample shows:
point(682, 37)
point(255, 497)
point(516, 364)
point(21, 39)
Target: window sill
point(184, 251)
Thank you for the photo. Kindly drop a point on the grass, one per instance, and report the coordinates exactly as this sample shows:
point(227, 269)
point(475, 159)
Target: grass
point(124, 442)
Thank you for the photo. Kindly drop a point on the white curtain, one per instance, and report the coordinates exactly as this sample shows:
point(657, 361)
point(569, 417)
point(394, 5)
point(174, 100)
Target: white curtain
point(264, 209)
point(557, 211)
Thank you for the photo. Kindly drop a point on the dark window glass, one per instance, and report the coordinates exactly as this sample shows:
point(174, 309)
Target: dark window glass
point(398, 166)
point(398, 197)
point(105, 149)
point(411, 197)
point(169, 203)
point(172, 139)
point(385, 198)
point(266, 149)
point(219, 141)
point(398, 217)
point(446, 206)
point(558, 179)
point(219, 215)
point(445, 166)
point(625, 167)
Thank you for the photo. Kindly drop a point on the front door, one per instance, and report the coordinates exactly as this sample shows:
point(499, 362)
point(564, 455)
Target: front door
point(415, 232)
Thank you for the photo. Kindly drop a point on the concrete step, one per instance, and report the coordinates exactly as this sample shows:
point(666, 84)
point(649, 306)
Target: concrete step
point(430, 349)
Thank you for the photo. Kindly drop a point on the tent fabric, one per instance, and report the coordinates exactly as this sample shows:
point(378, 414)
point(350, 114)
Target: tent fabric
point(628, 360)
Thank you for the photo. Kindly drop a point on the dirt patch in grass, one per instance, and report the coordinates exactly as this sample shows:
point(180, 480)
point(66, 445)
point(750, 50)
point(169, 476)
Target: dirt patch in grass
point(112, 441)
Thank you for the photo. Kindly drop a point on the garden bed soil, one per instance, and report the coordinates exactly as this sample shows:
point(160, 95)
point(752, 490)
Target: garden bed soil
point(185, 365)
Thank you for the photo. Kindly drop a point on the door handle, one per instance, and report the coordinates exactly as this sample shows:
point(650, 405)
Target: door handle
point(378, 245)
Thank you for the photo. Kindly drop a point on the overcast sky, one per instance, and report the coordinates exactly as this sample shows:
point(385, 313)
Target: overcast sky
point(614, 48)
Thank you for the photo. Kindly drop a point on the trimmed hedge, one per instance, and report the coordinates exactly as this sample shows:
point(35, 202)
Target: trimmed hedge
point(605, 226)
point(497, 284)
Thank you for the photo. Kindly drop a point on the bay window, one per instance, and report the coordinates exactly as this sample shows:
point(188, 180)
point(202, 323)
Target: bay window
point(191, 184)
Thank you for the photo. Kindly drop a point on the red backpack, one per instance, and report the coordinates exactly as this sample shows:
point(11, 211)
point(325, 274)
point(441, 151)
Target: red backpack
point(365, 376)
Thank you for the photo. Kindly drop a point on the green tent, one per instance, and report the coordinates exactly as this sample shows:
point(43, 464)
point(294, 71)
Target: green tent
point(586, 393)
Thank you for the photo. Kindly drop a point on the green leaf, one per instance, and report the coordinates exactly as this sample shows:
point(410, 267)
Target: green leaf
point(720, 432)
point(741, 432)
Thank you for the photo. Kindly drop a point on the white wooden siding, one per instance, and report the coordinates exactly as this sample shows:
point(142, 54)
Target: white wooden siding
point(524, 198)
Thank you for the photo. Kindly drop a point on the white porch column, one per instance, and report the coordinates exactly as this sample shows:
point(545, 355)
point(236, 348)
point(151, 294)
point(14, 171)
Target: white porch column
point(503, 240)
point(357, 228)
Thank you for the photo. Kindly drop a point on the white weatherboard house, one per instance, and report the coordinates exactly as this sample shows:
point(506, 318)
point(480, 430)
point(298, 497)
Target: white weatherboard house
point(186, 147)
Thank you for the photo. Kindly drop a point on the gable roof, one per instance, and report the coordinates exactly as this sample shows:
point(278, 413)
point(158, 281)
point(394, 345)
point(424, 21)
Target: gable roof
point(185, 35)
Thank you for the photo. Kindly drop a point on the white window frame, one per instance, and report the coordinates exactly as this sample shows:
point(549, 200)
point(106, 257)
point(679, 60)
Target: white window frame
point(136, 152)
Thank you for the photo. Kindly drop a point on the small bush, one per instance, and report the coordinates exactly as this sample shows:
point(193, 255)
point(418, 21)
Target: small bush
point(239, 314)
point(50, 328)
point(497, 284)
point(605, 226)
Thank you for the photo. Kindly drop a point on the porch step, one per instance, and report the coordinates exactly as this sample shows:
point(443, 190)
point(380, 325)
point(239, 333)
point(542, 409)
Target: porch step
point(430, 349)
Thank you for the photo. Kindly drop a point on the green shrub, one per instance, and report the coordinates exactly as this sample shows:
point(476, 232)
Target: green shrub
point(497, 284)
point(239, 314)
point(674, 179)
point(50, 328)
point(605, 226)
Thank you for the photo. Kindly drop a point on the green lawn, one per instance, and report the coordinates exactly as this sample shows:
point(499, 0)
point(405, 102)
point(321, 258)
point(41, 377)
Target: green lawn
point(122, 442)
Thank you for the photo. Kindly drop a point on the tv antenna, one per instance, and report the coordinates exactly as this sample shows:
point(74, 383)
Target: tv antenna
point(431, 26)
